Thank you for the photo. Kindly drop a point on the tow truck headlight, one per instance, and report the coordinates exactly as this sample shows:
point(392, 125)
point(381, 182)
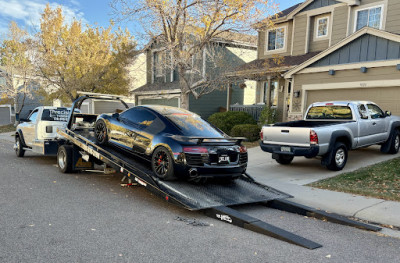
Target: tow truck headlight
point(49, 129)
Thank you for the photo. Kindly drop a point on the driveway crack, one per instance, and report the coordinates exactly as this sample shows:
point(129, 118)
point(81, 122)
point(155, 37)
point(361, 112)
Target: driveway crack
point(362, 209)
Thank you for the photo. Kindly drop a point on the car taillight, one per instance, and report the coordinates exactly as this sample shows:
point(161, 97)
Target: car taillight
point(261, 135)
point(242, 149)
point(195, 149)
point(313, 137)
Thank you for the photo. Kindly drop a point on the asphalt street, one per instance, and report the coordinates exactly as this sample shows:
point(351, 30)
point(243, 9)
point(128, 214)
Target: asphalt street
point(47, 216)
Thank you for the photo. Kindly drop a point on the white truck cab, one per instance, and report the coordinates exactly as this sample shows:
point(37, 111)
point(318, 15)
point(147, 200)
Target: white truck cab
point(39, 131)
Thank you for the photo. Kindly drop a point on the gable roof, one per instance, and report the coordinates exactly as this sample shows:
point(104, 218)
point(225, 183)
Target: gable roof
point(290, 12)
point(361, 32)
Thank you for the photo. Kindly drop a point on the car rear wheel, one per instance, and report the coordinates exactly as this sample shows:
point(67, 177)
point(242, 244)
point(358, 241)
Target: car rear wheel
point(284, 159)
point(19, 149)
point(162, 164)
point(100, 132)
point(339, 158)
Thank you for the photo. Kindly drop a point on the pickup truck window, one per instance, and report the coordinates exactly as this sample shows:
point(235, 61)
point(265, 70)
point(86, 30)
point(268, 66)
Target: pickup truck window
point(363, 111)
point(375, 111)
point(329, 112)
point(33, 116)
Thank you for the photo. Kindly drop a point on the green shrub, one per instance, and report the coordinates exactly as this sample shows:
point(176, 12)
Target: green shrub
point(226, 120)
point(250, 131)
point(267, 116)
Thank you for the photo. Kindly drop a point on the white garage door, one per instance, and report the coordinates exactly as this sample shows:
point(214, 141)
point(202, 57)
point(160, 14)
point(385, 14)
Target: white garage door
point(388, 98)
point(4, 115)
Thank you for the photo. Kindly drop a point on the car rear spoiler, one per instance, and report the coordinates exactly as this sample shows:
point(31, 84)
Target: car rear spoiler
point(200, 140)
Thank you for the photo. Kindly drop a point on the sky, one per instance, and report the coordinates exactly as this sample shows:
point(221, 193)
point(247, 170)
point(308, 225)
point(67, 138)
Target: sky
point(27, 12)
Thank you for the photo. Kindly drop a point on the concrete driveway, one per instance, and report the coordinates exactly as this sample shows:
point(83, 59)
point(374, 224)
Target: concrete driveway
point(303, 171)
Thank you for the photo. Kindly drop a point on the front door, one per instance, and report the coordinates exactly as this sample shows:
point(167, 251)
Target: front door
point(29, 128)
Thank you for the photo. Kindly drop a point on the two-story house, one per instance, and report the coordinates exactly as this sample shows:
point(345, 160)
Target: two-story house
point(321, 50)
point(162, 79)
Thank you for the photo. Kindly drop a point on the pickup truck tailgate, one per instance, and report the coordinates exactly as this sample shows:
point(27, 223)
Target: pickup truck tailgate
point(286, 136)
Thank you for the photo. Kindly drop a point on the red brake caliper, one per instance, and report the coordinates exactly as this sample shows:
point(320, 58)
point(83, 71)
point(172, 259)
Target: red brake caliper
point(159, 160)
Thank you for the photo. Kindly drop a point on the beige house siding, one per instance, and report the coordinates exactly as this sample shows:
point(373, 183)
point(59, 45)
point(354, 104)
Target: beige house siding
point(315, 43)
point(393, 17)
point(339, 27)
point(300, 34)
point(138, 71)
point(262, 42)
point(345, 76)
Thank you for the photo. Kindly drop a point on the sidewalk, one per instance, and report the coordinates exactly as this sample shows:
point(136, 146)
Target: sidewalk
point(291, 179)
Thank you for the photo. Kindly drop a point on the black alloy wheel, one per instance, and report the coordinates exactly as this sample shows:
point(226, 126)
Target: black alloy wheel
point(101, 132)
point(162, 164)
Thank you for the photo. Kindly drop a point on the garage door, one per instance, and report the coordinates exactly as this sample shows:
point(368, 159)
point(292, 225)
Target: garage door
point(4, 115)
point(168, 102)
point(387, 98)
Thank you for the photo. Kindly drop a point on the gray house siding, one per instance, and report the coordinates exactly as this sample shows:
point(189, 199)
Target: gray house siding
point(208, 104)
point(365, 48)
point(318, 4)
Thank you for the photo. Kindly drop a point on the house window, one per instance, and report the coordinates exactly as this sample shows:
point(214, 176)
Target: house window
point(322, 27)
point(371, 17)
point(276, 39)
point(159, 63)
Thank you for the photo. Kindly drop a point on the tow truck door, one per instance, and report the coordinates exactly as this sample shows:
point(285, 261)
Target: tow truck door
point(29, 128)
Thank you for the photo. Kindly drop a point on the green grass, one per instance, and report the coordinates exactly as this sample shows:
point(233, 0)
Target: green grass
point(379, 181)
point(7, 128)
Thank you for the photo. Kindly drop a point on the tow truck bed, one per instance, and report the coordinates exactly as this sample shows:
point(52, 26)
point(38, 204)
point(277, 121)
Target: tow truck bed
point(214, 199)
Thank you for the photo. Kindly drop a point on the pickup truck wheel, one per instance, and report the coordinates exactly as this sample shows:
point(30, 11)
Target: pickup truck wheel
point(100, 131)
point(162, 164)
point(339, 157)
point(284, 159)
point(395, 143)
point(19, 149)
point(64, 158)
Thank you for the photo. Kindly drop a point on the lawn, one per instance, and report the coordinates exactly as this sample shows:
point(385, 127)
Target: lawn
point(7, 128)
point(379, 181)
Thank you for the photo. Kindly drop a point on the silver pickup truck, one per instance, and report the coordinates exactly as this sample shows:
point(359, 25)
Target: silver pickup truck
point(330, 130)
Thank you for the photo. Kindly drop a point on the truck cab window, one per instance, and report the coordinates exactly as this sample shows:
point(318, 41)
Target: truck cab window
point(363, 111)
point(33, 116)
point(375, 111)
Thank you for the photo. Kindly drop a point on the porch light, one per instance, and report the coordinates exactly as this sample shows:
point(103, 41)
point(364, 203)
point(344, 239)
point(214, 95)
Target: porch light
point(296, 94)
point(363, 70)
point(332, 72)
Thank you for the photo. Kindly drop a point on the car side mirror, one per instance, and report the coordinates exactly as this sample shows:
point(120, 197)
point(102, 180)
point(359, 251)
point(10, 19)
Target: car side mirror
point(388, 113)
point(364, 116)
point(115, 115)
point(24, 120)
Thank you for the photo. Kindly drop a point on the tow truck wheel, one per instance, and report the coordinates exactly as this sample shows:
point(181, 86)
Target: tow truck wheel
point(162, 164)
point(339, 158)
point(64, 158)
point(19, 149)
point(395, 144)
point(284, 159)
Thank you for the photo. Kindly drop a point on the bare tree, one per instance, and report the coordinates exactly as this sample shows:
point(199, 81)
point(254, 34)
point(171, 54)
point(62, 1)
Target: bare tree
point(187, 28)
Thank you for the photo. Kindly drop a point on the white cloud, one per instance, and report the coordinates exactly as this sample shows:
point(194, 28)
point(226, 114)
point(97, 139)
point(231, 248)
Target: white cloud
point(27, 12)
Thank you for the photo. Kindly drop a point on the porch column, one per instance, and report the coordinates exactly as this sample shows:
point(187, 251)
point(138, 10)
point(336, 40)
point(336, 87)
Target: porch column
point(267, 97)
point(229, 96)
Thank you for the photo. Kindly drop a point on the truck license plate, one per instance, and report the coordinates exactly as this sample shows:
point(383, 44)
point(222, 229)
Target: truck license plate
point(223, 159)
point(285, 149)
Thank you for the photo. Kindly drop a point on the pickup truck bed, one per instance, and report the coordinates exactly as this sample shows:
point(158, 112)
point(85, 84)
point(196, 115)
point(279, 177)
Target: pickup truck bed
point(308, 124)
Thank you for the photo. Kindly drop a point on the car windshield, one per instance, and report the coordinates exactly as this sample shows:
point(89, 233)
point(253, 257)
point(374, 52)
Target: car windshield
point(193, 125)
point(58, 114)
point(330, 112)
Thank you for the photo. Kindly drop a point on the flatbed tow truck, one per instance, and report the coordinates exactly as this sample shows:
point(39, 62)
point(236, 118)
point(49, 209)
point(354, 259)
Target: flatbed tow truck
point(79, 151)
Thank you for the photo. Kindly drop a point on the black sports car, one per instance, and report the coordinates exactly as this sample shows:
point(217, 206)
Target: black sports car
point(178, 142)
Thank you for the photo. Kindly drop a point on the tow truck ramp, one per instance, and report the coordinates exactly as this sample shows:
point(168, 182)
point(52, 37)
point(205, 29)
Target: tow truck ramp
point(216, 200)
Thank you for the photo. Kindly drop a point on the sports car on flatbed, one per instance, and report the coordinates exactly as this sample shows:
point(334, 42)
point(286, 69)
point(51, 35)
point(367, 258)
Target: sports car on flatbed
point(177, 142)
